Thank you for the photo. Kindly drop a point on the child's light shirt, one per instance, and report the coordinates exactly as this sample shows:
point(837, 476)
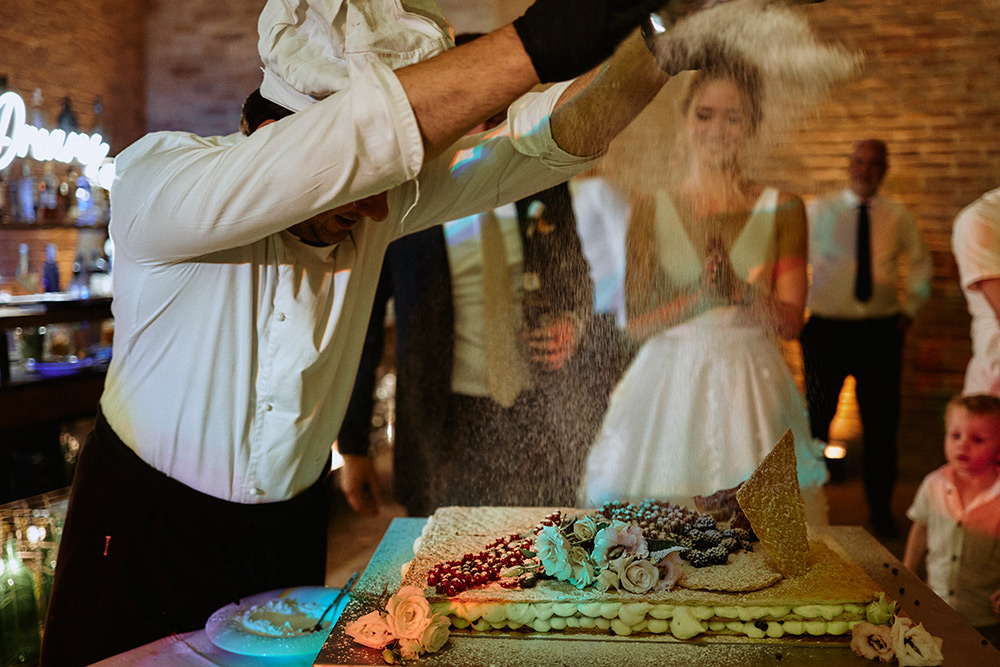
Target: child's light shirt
point(963, 544)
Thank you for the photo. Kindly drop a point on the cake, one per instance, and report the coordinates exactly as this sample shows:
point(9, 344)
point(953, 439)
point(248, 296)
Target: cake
point(648, 568)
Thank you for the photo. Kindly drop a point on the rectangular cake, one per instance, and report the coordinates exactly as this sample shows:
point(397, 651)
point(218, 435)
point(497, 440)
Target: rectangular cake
point(744, 596)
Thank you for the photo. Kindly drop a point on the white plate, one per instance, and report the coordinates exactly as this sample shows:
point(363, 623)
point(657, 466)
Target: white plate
point(232, 628)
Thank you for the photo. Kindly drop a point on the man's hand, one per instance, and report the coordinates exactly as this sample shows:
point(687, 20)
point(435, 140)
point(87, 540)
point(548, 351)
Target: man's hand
point(565, 38)
point(552, 346)
point(360, 485)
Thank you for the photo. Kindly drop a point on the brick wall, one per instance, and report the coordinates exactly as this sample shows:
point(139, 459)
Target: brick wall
point(79, 49)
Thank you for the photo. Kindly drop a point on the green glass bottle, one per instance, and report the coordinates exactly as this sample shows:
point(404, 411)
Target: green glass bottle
point(18, 611)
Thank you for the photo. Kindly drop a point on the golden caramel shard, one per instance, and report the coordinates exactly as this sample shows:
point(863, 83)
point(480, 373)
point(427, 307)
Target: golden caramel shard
point(772, 502)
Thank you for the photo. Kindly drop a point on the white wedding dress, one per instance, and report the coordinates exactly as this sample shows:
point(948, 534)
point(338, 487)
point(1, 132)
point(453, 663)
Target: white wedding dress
point(704, 401)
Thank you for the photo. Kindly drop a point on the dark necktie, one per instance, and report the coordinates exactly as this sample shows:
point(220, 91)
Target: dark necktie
point(863, 280)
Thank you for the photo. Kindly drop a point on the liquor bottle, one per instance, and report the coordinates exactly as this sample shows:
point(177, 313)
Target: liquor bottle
point(67, 117)
point(28, 280)
point(37, 115)
point(97, 125)
point(86, 211)
point(18, 610)
point(48, 195)
point(79, 287)
point(26, 193)
point(50, 270)
point(99, 278)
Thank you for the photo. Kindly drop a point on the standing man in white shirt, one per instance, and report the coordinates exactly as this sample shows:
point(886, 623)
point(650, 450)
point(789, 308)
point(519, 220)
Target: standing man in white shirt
point(859, 314)
point(975, 242)
point(245, 271)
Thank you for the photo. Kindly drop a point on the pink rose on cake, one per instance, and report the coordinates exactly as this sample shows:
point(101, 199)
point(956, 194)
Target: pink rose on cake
point(670, 565)
point(552, 549)
point(636, 575)
point(370, 630)
point(617, 539)
point(914, 645)
point(872, 642)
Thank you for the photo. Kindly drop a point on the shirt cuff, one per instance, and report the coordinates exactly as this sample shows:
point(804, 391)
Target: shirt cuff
point(531, 130)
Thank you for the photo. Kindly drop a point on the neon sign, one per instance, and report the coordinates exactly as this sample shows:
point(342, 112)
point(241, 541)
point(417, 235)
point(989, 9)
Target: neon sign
point(17, 138)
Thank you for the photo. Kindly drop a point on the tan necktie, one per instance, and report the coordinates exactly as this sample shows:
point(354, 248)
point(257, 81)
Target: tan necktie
point(505, 372)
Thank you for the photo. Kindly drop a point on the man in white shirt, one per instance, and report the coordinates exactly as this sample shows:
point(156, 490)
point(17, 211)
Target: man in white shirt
point(975, 242)
point(859, 314)
point(245, 270)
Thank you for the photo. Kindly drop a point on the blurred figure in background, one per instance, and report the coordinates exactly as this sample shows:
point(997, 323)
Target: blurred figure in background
point(860, 245)
point(975, 242)
point(464, 436)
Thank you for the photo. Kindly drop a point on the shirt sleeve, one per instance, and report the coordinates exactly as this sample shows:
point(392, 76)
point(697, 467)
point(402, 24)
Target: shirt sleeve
point(919, 511)
point(919, 266)
point(976, 246)
point(179, 196)
point(487, 170)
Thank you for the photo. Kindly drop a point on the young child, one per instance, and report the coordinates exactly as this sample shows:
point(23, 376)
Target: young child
point(956, 515)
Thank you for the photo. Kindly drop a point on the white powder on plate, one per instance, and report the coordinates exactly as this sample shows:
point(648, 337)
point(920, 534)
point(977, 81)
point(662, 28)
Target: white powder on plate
point(284, 617)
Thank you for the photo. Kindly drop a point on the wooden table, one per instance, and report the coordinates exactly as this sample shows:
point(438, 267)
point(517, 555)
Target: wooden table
point(963, 646)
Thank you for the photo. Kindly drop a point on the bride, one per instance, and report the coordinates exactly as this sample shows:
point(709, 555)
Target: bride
point(715, 272)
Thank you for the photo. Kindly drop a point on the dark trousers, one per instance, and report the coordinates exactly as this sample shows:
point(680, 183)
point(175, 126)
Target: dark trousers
point(143, 556)
point(872, 351)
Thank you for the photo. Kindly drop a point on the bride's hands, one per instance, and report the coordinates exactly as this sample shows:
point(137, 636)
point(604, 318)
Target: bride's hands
point(719, 280)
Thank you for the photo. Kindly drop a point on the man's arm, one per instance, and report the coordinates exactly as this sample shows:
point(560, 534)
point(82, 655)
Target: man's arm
point(601, 103)
point(455, 90)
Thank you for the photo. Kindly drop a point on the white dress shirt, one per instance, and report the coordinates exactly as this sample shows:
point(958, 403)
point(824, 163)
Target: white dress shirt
point(975, 241)
point(833, 226)
point(602, 217)
point(465, 261)
point(236, 345)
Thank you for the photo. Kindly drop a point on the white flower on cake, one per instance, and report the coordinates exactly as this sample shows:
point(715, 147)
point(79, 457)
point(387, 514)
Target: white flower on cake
point(585, 528)
point(914, 645)
point(618, 538)
point(636, 575)
point(402, 625)
point(670, 565)
point(872, 642)
point(552, 549)
point(407, 613)
point(891, 637)
point(370, 630)
point(606, 579)
point(583, 567)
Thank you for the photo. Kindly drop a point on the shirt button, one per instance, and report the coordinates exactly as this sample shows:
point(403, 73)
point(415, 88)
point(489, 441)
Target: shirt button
point(954, 558)
point(254, 491)
point(268, 407)
point(951, 592)
point(280, 317)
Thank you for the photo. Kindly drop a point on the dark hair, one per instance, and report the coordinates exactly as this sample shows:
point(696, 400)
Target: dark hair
point(743, 74)
point(257, 110)
point(977, 404)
